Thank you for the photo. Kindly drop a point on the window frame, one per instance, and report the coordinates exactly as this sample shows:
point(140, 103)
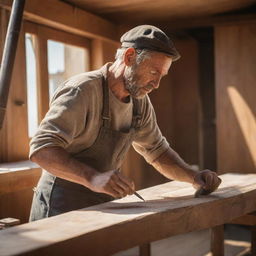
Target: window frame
point(43, 34)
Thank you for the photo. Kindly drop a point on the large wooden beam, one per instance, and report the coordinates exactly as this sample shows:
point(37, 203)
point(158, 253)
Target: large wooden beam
point(208, 21)
point(65, 17)
point(170, 209)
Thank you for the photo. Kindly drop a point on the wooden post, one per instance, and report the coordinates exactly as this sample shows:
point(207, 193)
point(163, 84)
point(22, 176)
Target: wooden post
point(217, 240)
point(253, 240)
point(145, 250)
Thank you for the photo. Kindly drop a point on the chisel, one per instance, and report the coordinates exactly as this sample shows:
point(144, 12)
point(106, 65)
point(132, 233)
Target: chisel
point(135, 193)
point(139, 196)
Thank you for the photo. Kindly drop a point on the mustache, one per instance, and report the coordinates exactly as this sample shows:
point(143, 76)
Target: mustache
point(149, 87)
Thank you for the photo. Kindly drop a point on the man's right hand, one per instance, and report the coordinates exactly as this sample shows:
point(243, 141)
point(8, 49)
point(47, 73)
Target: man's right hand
point(113, 183)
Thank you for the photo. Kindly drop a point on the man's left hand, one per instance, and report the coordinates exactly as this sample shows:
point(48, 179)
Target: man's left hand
point(207, 180)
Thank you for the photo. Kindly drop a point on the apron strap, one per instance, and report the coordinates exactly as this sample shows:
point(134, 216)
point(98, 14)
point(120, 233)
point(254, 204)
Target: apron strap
point(137, 116)
point(105, 111)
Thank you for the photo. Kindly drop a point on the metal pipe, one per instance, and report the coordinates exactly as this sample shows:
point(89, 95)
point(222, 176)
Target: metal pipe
point(9, 53)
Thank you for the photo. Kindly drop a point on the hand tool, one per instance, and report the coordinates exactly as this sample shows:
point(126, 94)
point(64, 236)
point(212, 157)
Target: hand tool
point(139, 196)
point(135, 193)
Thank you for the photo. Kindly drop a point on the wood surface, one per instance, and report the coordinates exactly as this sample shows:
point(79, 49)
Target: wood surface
point(183, 114)
point(15, 140)
point(235, 62)
point(60, 15)
point(3, 29)
point(217, 240)
point(247, 220)
point(142, 11)
point(145, 250)
point(170, 209)
point(16, 189)
point(253, 234)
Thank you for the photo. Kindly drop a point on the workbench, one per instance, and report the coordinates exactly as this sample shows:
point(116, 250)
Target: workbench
point(170, 209)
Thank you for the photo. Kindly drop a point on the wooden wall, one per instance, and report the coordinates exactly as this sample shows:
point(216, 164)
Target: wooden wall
point(235, 67)
point(14, 145)
point(185, 79)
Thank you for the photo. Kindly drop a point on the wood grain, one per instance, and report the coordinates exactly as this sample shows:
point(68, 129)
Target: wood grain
point(16, 189)
point(170, 209)
point(235, 61)
point(60, 15)
point(217, 240)
point(142, 11)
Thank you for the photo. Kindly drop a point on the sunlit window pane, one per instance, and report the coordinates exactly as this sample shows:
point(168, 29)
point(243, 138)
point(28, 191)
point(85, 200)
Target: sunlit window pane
point(31, 85)
point(64, 61)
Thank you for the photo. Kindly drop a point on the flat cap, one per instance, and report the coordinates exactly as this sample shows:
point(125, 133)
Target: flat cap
point(151, 38)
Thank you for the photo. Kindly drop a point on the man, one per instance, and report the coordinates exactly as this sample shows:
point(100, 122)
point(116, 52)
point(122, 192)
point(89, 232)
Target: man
point(93, 120)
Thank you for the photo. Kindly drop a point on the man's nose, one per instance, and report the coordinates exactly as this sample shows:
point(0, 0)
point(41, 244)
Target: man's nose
point(156, 83)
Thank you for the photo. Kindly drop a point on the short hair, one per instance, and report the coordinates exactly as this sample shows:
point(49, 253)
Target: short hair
point(142, 54)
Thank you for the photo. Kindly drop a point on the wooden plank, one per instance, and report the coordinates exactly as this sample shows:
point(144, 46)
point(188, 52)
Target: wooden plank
point(217, 240)
point(248, 220)
point(129, 12)
point(4, 130)
point(14, 181)
point(16, 116)
point(60, 15)
point(56, 35)
point(102, 52)
point(104, 229)
point(235, 56)
point(16, 188)
point(96, 54)
point(209, 21)
point(42, 78)
point(14, 142)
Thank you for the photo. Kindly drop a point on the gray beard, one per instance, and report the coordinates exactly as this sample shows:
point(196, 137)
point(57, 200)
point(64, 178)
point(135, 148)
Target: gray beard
point(133, 89)
point(131, 85)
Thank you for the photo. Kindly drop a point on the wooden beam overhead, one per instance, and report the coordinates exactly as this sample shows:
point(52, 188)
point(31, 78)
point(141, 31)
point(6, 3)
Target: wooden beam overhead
point(68, 18)
point(209, 21)
point(150, 12)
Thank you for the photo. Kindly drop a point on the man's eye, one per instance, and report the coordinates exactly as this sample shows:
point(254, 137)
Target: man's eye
point(153, 72)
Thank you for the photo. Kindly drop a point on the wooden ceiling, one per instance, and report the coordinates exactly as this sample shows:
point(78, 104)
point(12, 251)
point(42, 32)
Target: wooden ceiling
point(146, 11)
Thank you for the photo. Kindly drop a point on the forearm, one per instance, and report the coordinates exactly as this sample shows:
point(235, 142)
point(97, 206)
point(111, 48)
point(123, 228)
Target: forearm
point(60, 163)
point(173, 167)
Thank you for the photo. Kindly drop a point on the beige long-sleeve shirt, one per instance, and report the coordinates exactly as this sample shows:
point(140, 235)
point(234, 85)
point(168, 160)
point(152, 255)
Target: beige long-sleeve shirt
point(74, 118)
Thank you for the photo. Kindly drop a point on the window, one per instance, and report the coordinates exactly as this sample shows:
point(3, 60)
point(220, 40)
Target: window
point(32, 106)
point(52, 56)
point(64, 61)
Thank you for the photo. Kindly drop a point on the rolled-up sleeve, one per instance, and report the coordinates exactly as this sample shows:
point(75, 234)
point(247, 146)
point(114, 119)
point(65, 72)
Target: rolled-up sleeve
point(64, 121)
point(149, 141)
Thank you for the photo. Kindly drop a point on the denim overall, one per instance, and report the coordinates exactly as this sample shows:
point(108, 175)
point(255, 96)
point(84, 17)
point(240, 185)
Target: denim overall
point(54, 195)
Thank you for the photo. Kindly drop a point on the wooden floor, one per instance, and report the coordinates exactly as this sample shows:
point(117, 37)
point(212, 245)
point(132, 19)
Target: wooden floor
point(237, 243)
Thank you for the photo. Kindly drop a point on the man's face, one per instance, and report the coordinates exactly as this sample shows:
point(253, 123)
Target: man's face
point(141, 79)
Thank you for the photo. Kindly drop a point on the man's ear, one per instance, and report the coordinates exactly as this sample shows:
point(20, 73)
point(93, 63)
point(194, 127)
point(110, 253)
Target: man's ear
point(129, 56)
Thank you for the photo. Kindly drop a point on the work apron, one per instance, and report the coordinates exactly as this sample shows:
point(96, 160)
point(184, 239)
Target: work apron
point(54, 195)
